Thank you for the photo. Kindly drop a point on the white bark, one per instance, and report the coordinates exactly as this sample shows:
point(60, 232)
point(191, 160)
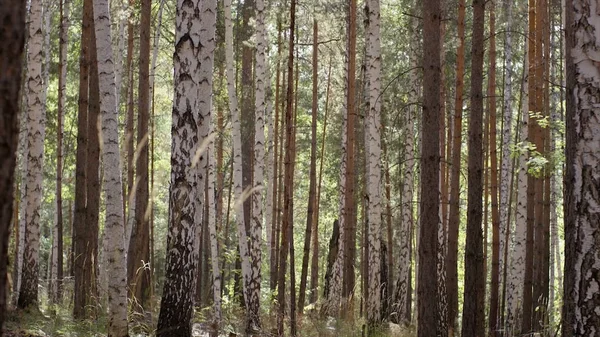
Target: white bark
point(506, 168)
point(208, 19)
point(516, 268)
point(269, 168)
point(259, 167)
point(373, 130)
point(585, 200)
point(35, 108)
point(212, 228)
point(113, 190)
point(184, 195)
point(239, 194)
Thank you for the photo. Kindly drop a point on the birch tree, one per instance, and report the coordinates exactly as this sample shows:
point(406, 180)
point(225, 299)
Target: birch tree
point(373, 129)
point(253, 304)
point(582, 276)
point(516, 266)
point(237, 168)
point(36, 115)
point(12, 35)
point(179, 287)
point(113, 190)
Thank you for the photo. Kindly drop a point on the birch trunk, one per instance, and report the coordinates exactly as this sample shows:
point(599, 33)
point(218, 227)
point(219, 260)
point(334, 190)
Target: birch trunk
point(516, 266)
point(184, 195)
point(12, 33)
point(253, 304)
point(506, 169)
point(212, 227)
point(582, 149)
point(35, 157)
point(373, 129)
point(117, 293)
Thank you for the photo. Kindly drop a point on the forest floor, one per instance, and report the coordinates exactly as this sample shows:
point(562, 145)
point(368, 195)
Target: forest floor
point(57, 321)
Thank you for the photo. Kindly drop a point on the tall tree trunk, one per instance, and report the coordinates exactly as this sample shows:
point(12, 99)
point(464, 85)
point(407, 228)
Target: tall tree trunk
point(93, 174)
point(260, 105)
point(81, 252)
point(495, 272)
point(474, 300)
point(349, 223)
point(36, 111)
point(373, 129)
point(581, 293)
point(138, 275)
point(113, 190)
point(430, 167)
point(314, 269)
point(515, 275)
point(185, 201)
point(313, 170)
point(287, 223)
point(506, 170)
point(62, 92)
point(454, 213)
point(212, 227)
point(12, 33)
point(129, 203)
point(237, 167)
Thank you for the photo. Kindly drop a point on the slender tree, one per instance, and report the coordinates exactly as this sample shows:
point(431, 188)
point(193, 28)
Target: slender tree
point(474, 295)
point(36, 112)
point(57, 261)
point(313, 171)
point(138, 275)
point(80, 235)
point(430, 160)
point(12, 35)
point(373, 129)
point(515, 275)
point(259, 167)
point(113, 190)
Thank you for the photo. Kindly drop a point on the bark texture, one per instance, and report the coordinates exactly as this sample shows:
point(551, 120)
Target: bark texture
point(373, 136)
point(178, 294)
point(113, 189)
point(582, 220)
point(36, 115)
point(12, 35)
point(430, 166)
point(474, 295)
